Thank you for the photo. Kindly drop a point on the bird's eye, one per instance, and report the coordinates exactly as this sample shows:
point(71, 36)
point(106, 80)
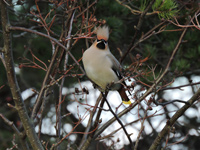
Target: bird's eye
point(102, 40)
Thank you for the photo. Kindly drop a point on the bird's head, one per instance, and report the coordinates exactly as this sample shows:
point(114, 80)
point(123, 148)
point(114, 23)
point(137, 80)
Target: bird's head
point(102, 37)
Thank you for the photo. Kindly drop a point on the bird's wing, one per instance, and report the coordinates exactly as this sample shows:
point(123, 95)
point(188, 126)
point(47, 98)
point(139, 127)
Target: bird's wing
point(116, 64)
point(117, 68)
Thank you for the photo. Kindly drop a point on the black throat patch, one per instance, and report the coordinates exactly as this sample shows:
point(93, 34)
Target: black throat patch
point(101, 44)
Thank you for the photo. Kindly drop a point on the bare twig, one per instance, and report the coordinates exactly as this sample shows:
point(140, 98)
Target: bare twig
point(72, 131)
point(20, 135)
point(133, 11)
point(39, 98)
point(174, 118)
point(86, 9)
point(137, 30)
point(130, 123)
point(170, 102)
point(89, 125)
point(179, 87)
point(58, 114)
point(176, 23)
point(99, 131)
point(11, 76)
point(58, 143)
point(119, 121)
point(141, 130)
point(49, 37)
point(6, 2)
point(90, 138)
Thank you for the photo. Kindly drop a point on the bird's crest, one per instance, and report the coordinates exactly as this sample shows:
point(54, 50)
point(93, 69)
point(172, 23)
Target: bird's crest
point(102, 33)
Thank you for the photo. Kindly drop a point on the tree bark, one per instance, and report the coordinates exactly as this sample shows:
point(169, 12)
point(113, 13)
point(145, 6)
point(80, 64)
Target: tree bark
point(11, 77)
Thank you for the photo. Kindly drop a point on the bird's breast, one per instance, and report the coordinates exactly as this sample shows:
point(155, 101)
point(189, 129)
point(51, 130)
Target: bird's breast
point(98, 68)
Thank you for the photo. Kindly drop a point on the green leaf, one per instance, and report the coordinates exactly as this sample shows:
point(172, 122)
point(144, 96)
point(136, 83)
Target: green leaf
point(182, 64)
point(166, 9)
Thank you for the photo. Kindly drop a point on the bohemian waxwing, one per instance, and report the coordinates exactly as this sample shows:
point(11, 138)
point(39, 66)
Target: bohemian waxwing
point(102, 67)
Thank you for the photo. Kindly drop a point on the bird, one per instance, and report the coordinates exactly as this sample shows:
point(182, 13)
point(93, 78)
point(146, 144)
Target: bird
point(102, 68)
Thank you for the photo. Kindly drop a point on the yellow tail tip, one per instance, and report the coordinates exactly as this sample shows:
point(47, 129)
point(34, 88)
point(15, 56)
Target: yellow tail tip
point(127, 102)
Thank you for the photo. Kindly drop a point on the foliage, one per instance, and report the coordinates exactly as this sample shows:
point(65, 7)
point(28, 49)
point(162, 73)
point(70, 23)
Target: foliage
point(66, 106)
point(166, 9)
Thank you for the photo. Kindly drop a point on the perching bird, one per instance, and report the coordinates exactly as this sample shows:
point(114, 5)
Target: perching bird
point(102, 67)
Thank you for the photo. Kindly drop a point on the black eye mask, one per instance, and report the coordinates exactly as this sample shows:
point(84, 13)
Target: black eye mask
point(101, 44)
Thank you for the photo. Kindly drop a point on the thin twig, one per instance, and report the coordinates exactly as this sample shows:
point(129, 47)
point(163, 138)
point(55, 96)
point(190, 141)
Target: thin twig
point(130, 123)
point(58, 114)
point(39, 98)
point(90, 138)
point(13, 83)
point(86, 9)
point(42, 115)
point(133, 11)
point(119, 121)
point(137, 30)
point(19, 134)
point(89, 125)
point(99, 131)
point(141, 130)
point(173, 119)
point(179, 87)
point(49, 37)
point(170, 102)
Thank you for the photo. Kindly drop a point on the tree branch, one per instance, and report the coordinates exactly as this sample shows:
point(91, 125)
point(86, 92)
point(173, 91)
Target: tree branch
point(137, 30)
point(170, 122)
point(49, 37)
point(99, 131)
point(89, 125)
point(39, 98)
point(58, 112)
point(119, 121)
point(96, 123)
point(11, 76)
point(133, 11)
point(20, 135)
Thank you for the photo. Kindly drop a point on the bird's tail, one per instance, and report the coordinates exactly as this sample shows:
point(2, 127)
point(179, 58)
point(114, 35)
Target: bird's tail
point(124, 96)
